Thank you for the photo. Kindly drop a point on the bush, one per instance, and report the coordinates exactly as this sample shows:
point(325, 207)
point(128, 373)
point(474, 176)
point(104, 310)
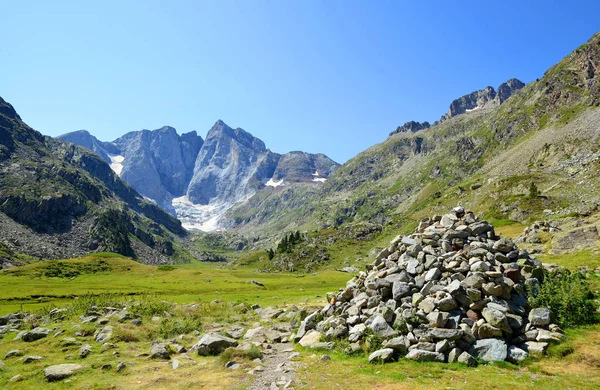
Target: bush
point(174, 326)
point(233, 354)
point(166, 267)
point(568, 296)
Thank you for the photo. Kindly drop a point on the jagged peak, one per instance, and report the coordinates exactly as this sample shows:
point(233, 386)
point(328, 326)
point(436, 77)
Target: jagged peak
point(7, 109)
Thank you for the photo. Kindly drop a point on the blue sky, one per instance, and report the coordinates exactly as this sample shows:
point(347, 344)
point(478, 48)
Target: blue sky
point(320, 76)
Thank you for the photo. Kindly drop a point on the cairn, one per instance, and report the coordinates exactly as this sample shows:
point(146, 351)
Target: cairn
point(452, 291)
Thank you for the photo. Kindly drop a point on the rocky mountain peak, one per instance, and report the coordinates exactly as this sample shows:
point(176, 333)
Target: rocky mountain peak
point(411, 127)
point(7, 109)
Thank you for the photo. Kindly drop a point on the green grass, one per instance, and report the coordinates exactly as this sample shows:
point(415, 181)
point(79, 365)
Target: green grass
point(26, 288)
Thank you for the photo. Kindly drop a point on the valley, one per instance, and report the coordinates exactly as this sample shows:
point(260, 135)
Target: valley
point(462, 253)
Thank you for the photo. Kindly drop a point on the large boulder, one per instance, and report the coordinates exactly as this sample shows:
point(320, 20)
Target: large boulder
point(425, 356)
point(490, 350)
point(213, 344)
point(61, 371)
point(35, 334)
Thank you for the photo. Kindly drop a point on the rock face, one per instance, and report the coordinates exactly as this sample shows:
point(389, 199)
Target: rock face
point(441, 294)
point(72, 196)
point(196, 179)
point(411, 127)
point(484, 98)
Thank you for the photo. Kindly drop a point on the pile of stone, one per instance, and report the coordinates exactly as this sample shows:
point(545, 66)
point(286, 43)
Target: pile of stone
point(452, 291)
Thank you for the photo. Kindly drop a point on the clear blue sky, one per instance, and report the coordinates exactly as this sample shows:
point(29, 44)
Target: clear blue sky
point(331, 76)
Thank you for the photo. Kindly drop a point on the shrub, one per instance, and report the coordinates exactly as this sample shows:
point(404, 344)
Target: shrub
point(568, 296)
point(175, 326)
point(233, 354)
point(166, 267)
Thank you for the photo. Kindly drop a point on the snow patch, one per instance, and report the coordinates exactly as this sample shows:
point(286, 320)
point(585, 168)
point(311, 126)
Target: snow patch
point(320, 179)
point(476, 108)
point(116, 163)
point(316, 173)
point(197, 216)
point(274, 183)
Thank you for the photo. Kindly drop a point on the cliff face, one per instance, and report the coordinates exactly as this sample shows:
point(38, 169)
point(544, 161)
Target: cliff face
point(72, 198)
point(199, 180)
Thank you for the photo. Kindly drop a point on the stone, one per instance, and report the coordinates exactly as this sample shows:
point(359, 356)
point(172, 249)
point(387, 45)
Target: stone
point(516, 354)
point(535, 348)
point(400, 289)
point(398, 344)
point(433, 274)
point(31, 359)
point(496, 318)
point(454, 354)
point(85, 350)
point(213, 344)
point(513, 274)
point(442, 333)
point(61, 371)
point(312, 337)
point(382, 356)
point(381, 328)
point(467, 359)
point(235, 332)
point(437, 319)
point(490, 350)
point(487, 331)
point(103, 334)
point(35, 334)
point(160, 351)
point(539, 316)
point(120, 367)
point(13, 353)
point(425, 356)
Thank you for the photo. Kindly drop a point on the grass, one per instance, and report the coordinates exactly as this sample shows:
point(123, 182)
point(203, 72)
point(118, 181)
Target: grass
point(217, 292)
point(26, 288)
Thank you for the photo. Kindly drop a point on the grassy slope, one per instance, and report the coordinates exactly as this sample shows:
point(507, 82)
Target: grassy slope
point(207, 282)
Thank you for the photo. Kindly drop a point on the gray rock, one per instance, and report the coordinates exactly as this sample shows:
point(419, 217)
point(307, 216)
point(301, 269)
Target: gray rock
point(535, 348)
point(467, 359)
point(160, 351)
point(496, 318)
point(310, 338)
point(382, 356)
point(490, 350)
point(425, 356)
point(381, 328)
point(85, 350)
point(120, 367)
point(446, 334)
point(61, 371)
point(213, 344)
point(398, 344)
point(103, 334)
point(35, 334)
point(516, 354)
point(13, 353)
point(539, 316)
point(235, 332)
point(454, 354)
point(31, 359)
point(400, 289)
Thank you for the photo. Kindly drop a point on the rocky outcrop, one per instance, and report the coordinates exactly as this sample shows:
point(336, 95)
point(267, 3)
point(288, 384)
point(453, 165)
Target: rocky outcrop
point(452, 291)
point(484, 98)
point(61, 190)
point(411, 127)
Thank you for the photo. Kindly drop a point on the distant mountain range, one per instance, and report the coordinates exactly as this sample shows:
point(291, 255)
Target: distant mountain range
point(199, 180)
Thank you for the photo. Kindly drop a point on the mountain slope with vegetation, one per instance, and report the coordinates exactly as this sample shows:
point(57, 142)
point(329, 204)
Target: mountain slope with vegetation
point(545, 133)
point(59, 200)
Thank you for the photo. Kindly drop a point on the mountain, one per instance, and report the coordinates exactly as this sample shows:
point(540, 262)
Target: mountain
point(484, 98)
point(486, 153)
point(59, 200)
point(199, 180)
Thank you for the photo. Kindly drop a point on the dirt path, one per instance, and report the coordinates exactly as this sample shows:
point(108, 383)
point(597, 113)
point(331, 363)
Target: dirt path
point(277, 369)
